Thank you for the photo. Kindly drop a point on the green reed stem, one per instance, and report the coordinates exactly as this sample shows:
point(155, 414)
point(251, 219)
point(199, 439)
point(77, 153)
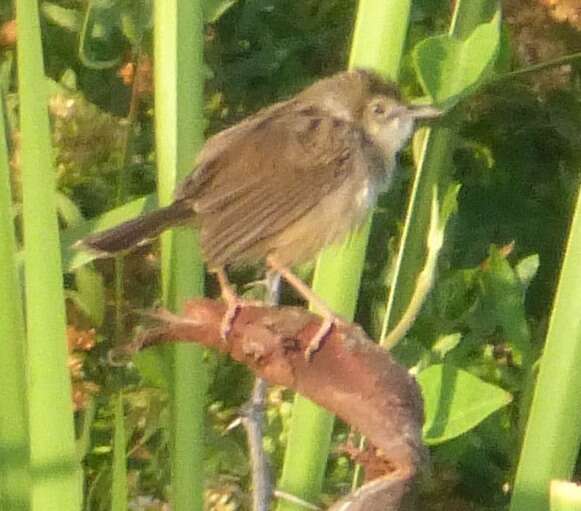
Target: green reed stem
point(178, 40)
point(380, 32)
point(14, 440)
point(553, 432)
point(54, 465)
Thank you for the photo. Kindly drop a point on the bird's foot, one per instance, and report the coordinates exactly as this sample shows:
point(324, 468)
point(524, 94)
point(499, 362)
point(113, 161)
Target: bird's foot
point(234, 305)
point(329, 323)
point(330, 319)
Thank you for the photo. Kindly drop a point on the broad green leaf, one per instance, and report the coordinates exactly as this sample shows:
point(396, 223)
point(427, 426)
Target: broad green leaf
point(455, 402)
point(504, 296)
point(449, 68)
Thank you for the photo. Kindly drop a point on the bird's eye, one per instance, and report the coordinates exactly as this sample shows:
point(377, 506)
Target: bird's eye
point(378, 109)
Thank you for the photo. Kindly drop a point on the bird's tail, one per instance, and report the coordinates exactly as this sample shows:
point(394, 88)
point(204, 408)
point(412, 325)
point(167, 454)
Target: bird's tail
point(138, 231)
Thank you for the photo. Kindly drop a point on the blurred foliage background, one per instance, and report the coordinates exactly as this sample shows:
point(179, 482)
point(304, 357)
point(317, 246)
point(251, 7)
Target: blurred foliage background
point(518, 160)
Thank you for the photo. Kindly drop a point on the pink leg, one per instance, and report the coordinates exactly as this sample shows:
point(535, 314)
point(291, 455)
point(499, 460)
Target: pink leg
point(330, 319)
point(232, 300)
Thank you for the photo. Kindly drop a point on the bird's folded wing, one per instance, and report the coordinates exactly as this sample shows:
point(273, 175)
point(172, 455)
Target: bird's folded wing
point(269, 175)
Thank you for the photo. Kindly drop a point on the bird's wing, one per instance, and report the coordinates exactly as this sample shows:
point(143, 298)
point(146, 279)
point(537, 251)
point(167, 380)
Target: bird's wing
point(268, 175)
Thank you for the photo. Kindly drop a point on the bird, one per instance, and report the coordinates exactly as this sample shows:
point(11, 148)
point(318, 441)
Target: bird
point(285, 182)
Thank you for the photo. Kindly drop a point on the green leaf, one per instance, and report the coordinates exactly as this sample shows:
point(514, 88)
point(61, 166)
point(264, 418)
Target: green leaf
point(446, 343)
point(68, 210)
point(68, 19)
point(101, 41)
point(136, 18)
point(439, 60)
point(449, 204)
point(90, 293)
point(73, 258)
point(504, 296)
point(129, 27)
point(151, 370)
point(455, 402)
point(526, 269)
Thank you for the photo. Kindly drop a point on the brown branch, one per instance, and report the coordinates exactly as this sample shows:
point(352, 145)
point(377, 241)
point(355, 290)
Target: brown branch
point(350, 376)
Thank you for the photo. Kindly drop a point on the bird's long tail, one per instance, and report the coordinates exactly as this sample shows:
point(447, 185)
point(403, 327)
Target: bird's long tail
point(138, 231)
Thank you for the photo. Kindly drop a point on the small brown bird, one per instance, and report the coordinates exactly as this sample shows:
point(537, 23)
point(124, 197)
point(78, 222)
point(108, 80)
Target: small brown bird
point(287, 181)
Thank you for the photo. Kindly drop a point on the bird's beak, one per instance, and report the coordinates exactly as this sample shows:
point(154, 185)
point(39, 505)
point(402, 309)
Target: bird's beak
point(424, 112)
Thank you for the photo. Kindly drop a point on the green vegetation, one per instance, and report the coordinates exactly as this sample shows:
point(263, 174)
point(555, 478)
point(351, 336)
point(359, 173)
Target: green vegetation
point(497, 181)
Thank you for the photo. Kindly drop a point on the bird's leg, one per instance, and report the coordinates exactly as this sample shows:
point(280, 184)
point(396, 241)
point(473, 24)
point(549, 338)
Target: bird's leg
point(233, 302)
point(330, 319)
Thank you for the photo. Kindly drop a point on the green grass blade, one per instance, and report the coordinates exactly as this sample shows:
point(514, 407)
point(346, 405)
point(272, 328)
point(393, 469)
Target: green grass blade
point(55, 469)
point(378, 42)
point(551, 442)
point(179, 134)
point(119, 486)
point(433, 168)
point(435, 159)
point(14, 447)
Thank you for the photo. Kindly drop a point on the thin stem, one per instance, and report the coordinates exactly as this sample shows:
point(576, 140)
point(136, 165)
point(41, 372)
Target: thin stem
point(253, 417)
point(425, 281)
point(126, 153)
point(560, 61)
